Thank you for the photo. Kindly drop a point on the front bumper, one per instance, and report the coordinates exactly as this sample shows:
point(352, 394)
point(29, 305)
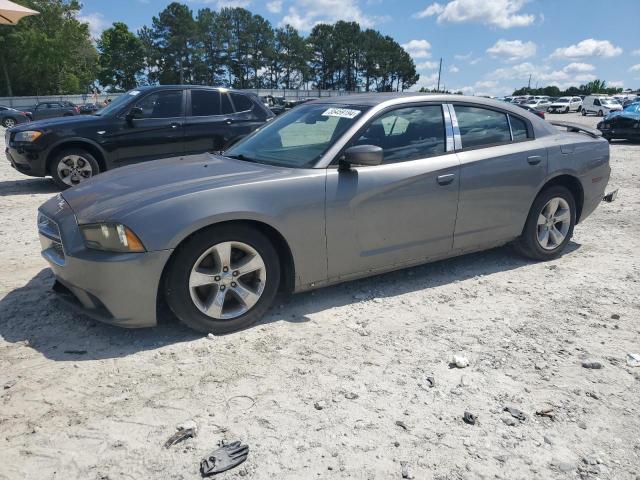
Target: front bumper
point(116, 288)
point(27, 159)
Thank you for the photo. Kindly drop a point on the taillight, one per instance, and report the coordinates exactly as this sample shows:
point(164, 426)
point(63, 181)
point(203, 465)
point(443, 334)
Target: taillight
point(541, 114)
point(77, 109)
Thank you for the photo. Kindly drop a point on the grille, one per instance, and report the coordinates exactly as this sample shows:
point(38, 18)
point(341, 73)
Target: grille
point(54, 251)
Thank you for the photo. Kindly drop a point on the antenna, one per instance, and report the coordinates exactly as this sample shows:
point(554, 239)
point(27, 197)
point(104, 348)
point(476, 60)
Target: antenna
point(439, 72)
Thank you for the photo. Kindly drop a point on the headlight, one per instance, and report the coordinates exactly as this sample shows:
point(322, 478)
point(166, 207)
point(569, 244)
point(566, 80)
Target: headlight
point(28, 136)
point(111, 237)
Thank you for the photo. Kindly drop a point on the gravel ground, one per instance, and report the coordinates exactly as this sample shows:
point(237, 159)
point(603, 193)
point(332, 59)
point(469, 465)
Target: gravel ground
point(332, 384)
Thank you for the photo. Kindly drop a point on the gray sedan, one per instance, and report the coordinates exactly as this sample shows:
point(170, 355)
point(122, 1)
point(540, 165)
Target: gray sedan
point(336, 189)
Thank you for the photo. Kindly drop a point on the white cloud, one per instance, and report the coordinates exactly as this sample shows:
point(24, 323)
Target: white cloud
point(465, 56)
point(513, 50)
point(454, 69)
point(616, 84)
point(233, 3)
point(635, 68)
point(428, 65)
point(485, 88)
point(275, 6)
point(588, 48)
point(496, 13)
point(636, 53)
point(307, 13)
point(579, 67)
point(96, 21)
point(417, 48)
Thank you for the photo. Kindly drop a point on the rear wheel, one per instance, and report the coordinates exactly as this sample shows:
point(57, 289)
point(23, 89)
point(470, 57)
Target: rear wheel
point(72, 167)
point(584, 112)
point(223, 279)
point(8, 122)
point(549, 226)
point(600, 113)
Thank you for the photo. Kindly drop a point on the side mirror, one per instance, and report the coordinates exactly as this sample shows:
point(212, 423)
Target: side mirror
point(135, 112)
point(368, 155)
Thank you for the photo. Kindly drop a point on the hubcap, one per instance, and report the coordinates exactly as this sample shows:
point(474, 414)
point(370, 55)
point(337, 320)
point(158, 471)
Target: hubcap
point(9, 122)
point(553, 223)
point(227, 280)
point(74, 169)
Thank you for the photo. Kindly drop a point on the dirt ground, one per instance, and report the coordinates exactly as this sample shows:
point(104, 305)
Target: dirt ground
point(332, 384)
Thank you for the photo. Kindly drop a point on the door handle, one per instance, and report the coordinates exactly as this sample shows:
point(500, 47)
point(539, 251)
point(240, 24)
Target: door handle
point(534, 159)
point(174, 125)
point(228, 121)
point(446, 179)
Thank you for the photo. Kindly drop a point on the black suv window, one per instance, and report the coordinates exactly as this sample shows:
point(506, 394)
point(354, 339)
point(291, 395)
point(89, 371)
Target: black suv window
point(226, 106)
point(407, 133)
point(163, 104)
point(205, 103)
point(481, 126)
point(518, 128)
point(241, 102)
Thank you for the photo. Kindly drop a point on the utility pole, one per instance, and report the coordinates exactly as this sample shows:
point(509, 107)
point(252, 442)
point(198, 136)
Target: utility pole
point(529, 84)
point(439, 72)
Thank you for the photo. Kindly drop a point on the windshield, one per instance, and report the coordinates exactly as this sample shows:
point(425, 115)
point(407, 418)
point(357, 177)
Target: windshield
point(299, 138)
point(531, 102)
point(563, 100)
point(607, 101)
point(118, 103)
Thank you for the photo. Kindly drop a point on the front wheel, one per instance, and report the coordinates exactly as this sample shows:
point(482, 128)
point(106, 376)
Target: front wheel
point(584, 112)
point(600, 113)
point(8, 123)
point(223, 279)
point(549, 226)
point(566, 110)
point(72, 167)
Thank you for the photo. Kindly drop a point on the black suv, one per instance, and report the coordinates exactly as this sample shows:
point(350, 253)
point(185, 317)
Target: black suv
point(143, 124)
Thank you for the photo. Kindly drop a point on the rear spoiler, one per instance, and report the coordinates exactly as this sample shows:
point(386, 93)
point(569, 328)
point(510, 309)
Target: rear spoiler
point(577, 128)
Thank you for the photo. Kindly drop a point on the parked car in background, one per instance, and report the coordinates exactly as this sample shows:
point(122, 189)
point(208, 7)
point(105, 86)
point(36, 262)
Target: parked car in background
point(333, 190)
point(89, 108)
point(275, 104)
point(565, 105)
point(44, 110)
point(600, 105)
point(538, 104)
point(144, 124)
point(10, 117)
point(539, 113)
point(623, 124)
point(630, 100)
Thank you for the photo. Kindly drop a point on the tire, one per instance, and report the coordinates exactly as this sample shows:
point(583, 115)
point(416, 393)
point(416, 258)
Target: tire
point(84, 163)
point(9, 122)
point(566, 110)
point(584, 112)
point(600, 113)
point(189, 304)
point(529, 243)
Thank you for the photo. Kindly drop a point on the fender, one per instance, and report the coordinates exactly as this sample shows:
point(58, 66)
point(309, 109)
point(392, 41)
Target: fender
point(87, 141)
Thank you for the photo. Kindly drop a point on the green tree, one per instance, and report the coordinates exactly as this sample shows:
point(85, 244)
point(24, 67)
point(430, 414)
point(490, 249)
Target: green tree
point(323, 55)
point(121, 57)
point(50, 53)
point(212, 56)
point(292, 55)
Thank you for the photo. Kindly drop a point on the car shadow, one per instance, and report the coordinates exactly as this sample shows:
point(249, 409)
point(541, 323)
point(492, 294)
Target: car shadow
point(34, 316)
point(28, 186)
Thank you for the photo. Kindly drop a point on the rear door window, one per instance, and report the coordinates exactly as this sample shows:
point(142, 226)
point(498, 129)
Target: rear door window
point(205, 103)
point(226, 107)
point(241, 102)
point(518, 128)
point(481, 126)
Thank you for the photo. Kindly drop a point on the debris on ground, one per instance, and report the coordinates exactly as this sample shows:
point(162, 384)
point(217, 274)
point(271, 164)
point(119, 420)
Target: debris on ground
point(515, 413)
point(459, 361)
point(10, 384)
point(320, 405)
point(469, 418)
point(186, 430)
point(591, 364)
point(224, 458)
point(545, 411)
point(350, 395)
point(211, 336)
point(402, 425)
point(633, 360)
point(431, 382)
point(406, 470)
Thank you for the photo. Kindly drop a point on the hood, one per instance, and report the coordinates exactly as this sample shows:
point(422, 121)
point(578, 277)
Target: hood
point(120, 192)
point(58, 121)
point(623, 114)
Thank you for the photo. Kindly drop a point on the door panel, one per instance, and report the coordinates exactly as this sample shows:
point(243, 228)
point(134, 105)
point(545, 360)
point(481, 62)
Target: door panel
point(159, 133)
point(497, 186)
point(390, 214)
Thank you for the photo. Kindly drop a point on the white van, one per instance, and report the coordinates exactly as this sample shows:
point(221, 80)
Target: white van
point(600, 105)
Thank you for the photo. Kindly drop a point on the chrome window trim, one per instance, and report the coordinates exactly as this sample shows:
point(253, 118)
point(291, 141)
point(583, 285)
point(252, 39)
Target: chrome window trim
point(457, 139)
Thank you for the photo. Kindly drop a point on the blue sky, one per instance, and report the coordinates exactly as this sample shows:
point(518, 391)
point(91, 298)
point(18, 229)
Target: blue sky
point(487, 46)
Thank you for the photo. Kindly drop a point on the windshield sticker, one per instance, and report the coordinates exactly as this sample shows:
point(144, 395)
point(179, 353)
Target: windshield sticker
point(341, 112)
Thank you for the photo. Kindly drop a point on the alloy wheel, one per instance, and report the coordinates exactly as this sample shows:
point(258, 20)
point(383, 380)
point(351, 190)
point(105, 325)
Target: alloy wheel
point(9, 123)
point(554, 222)
point(74, 169)
point(227, 280)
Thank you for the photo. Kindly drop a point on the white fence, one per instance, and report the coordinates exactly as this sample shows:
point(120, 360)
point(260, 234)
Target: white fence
point(23, 102)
